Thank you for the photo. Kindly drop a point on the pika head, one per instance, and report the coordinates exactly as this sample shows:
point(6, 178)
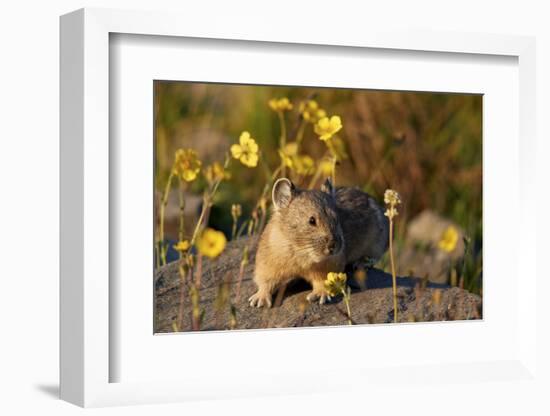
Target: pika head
point(308, 220)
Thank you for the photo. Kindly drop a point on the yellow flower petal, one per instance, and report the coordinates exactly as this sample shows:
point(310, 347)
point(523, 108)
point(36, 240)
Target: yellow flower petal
point(285, 159)
point(186, 164)
point(328, 127)
point(189, 175)
point(253, 146)
point(335, 283)
point(291, 149)
point(244, 138)
point(449, 239)
point(335, 124)
point(182, 246)
point(249, 159)
point(280, 105)
point(304, 165)
point(247, 151)
point(216, 172)
point(211, 243)
point(323, 124)
point(327, 167)
point(236, 151)
point(273, 104)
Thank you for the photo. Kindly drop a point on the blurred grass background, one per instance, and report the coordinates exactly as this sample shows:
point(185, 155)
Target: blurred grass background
point(427, 146)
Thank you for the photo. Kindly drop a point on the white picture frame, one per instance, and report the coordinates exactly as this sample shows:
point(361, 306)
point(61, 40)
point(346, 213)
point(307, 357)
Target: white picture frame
point(86, 354)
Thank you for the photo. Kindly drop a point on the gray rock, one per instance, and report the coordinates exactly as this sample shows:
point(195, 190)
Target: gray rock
point(372, 303)
point(420, 255)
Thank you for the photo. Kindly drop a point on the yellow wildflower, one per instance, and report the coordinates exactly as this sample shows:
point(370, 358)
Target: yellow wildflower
point(327, 167)
point(311, 112)
point(326, 128)
point(320, 114)
point(182, 246)
point(448, 239)
point(335, 283)
point(286, 159)
point(211, 243)
point(215, 172)
point(187, 164)
point(291, 149)
point(301, 164)
point(246, 151)
point(304, 165)
point(287, 154)
point(280, 105)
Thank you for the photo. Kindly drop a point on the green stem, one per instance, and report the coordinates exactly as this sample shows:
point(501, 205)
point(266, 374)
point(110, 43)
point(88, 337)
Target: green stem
point(346, 301)
point(198, 276)
point(199, 222)
point(317, 174)
point(265, 166)
point(244, 262)
point(163, 204)
point(182, 217)
point(195, 295)
point(263, 218)
point(157, 254)
point(207, 202)
point(334, 173)
point(273, 177)
point(181, 271)
point(394, 279)
point(282, 141)
point(242, 228)
point(265, 191)
point(195, 308)
point(234, 229)
point(300, 134)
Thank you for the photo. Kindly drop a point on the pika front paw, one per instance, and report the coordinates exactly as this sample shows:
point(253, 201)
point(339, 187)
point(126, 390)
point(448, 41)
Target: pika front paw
point(320, 295)
point(260, 299)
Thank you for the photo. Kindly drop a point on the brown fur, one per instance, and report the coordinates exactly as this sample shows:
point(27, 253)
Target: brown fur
point(348, 225)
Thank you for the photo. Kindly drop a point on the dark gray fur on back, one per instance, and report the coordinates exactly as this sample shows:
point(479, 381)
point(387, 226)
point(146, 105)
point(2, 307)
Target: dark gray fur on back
point(363, 222)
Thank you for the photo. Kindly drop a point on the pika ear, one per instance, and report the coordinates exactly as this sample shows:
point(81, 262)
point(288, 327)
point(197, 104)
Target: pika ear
point(283, 192)
point(327, 187)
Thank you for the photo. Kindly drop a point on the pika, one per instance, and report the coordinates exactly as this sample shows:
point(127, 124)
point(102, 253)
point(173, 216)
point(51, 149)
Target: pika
point(314, 232)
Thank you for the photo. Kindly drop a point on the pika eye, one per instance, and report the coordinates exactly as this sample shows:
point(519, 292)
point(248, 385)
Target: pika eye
point(312, 221)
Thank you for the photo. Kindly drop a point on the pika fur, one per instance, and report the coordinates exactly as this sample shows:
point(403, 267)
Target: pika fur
point(313, 232)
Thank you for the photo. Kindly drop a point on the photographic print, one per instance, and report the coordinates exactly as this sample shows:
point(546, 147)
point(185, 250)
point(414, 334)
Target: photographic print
point(284, 207)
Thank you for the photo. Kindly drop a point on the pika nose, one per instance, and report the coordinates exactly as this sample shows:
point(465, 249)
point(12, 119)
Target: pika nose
point(332, 245)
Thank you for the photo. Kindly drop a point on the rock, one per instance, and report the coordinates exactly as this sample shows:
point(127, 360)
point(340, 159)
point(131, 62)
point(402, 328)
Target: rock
point(420, 254)
point(373, 303)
